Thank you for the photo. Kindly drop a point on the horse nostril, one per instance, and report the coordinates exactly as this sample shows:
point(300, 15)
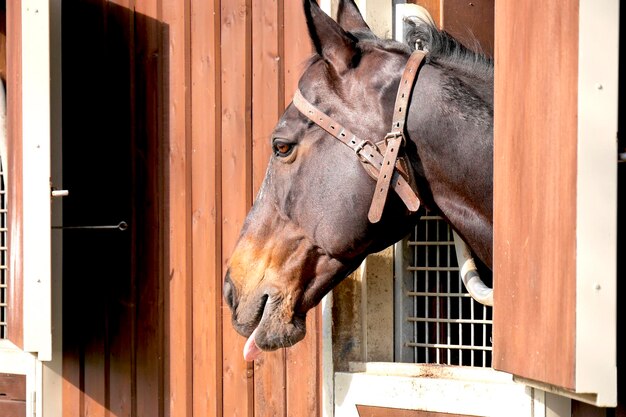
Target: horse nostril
point(229, 292)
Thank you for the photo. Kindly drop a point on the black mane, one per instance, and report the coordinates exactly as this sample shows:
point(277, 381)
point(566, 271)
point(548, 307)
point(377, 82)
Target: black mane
point(444, 49)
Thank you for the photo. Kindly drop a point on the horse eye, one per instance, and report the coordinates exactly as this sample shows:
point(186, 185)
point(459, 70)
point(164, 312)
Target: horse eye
point(282, 149)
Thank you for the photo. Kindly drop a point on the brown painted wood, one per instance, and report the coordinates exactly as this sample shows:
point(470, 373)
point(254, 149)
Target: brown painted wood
point(303, 359)
point(178, 302)
point(297, 47)
point(369, 411)
point(12, 387)
point(75, 338)
point(206, 208)
point(156, 339)
point(304, 369)
point(535, 190)
point(15, 327)
point(13, 408)
point(268, 102)
point(113, 319)
point(85, 318)
point(236, 184)
point(98, 329)
point(12, 395)
point(471, 22)
point(120, 321)
point(148, 91)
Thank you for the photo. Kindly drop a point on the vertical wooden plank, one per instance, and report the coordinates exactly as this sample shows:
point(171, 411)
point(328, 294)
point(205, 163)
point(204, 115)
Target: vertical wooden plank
point(73, 375)
point(267, 106)
point(535, 136)
point(297, 47)
point(120, 302)
point(150, 116)
point(304, 394)
point(206, 208)
point(84, 318)
point(236, 183)
point(94, 341)
point(268, 100)
point(303, 359)
point(93, 389)
point(102, 359)
point(71, 381)
point(176, 15)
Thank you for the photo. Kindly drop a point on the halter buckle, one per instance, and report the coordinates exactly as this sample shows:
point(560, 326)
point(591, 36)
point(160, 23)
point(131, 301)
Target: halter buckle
point(358, 148)
point(393, 135)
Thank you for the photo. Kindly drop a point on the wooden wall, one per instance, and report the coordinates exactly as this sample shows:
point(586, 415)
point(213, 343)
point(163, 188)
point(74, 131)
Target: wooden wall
point(167, 110)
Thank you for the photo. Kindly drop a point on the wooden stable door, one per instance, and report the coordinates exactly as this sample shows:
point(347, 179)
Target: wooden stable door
point(555, 202)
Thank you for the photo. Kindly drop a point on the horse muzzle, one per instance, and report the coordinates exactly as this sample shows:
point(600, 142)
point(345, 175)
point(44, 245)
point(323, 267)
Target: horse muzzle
point(267, 319)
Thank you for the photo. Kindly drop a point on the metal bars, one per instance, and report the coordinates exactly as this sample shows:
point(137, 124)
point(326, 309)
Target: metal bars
point(437, 321)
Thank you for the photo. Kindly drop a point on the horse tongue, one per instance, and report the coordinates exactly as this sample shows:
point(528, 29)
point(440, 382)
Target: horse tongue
point(250, 350)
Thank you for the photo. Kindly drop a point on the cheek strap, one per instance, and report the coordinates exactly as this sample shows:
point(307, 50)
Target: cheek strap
point(381, 160)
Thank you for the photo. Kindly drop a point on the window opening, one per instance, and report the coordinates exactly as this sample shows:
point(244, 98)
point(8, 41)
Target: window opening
point(440, 323)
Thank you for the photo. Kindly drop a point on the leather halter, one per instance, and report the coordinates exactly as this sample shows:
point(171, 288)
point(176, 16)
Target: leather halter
point(380, 160)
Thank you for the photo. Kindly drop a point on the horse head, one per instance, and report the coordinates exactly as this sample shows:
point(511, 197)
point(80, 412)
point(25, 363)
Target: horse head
point(308, 227)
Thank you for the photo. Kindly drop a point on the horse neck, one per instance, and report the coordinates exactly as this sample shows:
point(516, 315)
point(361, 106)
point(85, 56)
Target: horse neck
point(451, 125)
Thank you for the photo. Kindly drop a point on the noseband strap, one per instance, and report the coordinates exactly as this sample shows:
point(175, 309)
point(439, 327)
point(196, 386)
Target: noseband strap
point(385, 166)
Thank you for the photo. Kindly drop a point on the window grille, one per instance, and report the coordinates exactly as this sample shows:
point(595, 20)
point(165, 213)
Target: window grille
point(436, 319)
point(3, 256)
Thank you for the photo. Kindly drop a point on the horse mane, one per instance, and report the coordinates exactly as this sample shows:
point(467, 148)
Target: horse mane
point(444, 49)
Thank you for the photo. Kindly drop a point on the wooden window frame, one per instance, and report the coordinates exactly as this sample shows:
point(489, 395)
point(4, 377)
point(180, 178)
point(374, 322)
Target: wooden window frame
point(28, 191)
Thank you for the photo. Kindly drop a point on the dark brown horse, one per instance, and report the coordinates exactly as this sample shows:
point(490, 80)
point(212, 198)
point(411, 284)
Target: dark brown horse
point(308, 228)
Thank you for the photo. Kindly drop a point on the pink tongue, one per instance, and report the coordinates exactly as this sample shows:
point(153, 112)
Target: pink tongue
point(250, 350)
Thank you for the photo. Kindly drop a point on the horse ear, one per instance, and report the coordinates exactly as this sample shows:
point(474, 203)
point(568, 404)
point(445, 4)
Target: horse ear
point(331, 42)
point(349, 17)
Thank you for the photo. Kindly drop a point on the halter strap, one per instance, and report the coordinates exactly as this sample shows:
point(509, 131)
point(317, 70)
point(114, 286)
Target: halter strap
point(395, 138)
point(378, 165)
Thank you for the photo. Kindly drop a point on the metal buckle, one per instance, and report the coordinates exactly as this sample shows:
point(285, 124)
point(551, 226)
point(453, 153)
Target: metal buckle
point(393, 135)
point(360, 147)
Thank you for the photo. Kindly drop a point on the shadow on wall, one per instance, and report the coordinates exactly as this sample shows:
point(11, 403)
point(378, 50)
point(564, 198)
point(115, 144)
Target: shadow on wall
point(115, 136)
